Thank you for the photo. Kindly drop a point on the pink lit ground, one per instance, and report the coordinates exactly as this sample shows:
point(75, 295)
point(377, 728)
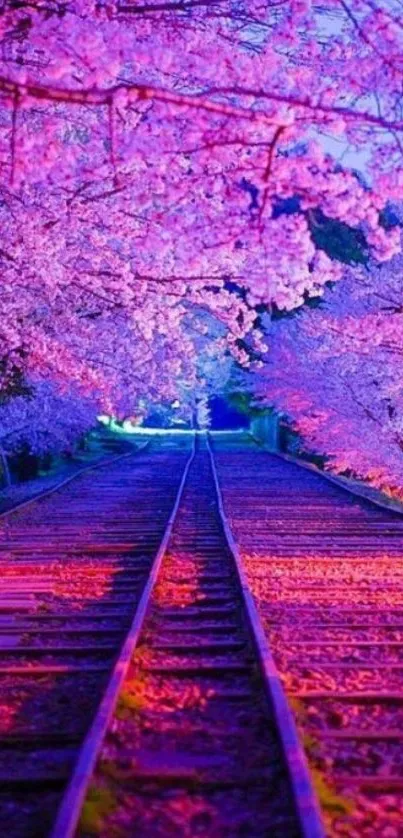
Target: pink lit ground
point(326, 570)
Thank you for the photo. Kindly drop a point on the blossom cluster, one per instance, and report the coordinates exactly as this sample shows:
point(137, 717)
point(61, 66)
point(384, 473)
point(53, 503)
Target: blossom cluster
point(336, 373)
point(145, 149)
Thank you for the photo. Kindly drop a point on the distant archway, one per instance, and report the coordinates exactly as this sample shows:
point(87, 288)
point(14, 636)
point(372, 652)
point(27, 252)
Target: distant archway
point(224, 417)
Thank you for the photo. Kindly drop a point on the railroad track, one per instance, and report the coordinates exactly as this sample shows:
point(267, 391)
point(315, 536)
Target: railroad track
point(193, 735)
point(326, 570)
point(73, 565)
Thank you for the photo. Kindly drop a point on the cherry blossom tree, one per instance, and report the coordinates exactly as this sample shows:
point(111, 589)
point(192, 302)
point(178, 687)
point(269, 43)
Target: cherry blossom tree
point(336, 372)
point(145, 149)
point(43, 421)
point(201, 116)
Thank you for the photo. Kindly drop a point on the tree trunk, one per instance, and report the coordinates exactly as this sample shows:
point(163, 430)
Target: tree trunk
point(6, 470)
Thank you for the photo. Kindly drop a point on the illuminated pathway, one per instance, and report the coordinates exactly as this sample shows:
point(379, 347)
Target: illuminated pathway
point(135, 672)
point(326, 569)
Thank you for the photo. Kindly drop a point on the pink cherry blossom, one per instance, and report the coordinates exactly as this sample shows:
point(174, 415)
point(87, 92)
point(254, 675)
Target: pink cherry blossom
point(145, 149)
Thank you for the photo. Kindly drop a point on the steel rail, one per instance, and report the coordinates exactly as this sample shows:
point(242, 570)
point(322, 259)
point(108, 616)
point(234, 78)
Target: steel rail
point(40, 495)
point(70, 808)
point(307, 806)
